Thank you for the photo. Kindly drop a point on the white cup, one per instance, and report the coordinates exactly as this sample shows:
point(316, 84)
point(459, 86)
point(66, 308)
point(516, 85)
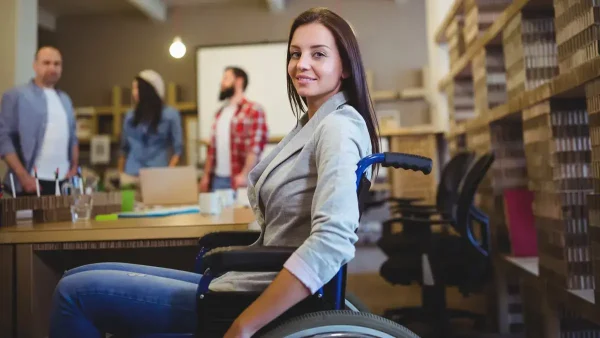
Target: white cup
point(242, 198)
point(227, 197)
point(210, 203)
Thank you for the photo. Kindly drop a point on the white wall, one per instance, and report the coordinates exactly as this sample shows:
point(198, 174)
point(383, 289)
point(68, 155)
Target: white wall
point(26, 32)
point(18, 34)
point(438, 61)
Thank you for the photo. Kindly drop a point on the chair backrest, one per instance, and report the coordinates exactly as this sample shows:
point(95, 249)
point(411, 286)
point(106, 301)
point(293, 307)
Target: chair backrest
point(468, 189)
point(451, 177)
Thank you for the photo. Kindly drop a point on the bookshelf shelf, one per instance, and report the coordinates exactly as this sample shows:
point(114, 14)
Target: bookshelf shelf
point(565, 84)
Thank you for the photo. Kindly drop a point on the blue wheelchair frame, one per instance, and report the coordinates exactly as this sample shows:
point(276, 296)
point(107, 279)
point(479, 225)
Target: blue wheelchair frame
point(333, 293)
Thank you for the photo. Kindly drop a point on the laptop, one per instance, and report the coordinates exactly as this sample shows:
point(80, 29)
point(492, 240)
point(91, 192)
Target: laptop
point(169, 186)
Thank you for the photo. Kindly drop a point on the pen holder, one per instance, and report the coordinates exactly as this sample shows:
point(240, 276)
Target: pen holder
point(106, 203)
point(54, 208)
point(51, 209)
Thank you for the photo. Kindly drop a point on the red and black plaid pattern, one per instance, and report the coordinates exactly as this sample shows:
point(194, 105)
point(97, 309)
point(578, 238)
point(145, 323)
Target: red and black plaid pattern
point(249, 134)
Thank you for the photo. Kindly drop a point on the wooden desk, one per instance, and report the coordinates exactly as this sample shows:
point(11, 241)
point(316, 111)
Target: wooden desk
point(33, 257)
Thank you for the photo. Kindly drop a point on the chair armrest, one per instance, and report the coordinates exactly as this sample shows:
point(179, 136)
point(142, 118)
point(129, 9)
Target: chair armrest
point(482, 219)
point(478, 214)
point(417, 220)
point(413, 210)
point(247, 259)
point(405, 200)
point(228, 238)
point(416, 206)
point(399, 200)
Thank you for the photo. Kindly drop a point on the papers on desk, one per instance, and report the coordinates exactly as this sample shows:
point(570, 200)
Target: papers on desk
point(161, 212)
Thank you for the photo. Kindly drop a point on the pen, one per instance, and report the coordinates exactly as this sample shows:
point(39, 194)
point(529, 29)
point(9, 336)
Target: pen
point(12, 185)
point(56, 187)
point(37, 182)
point(80, 180)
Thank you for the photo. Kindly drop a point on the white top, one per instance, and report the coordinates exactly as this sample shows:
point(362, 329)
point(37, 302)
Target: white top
point(223, 142)
point(54, 152)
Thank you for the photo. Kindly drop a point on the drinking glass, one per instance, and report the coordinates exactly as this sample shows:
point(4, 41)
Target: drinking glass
point(81, 207)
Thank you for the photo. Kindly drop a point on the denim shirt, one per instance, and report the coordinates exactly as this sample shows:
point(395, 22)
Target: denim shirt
point(23, 119)
point(145, 149)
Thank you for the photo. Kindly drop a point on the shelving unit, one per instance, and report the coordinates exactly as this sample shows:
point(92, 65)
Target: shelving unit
point(545, 128)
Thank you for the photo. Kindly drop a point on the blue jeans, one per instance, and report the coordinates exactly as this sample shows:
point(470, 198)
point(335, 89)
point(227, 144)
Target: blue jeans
point(219, 182)
point(124, 300)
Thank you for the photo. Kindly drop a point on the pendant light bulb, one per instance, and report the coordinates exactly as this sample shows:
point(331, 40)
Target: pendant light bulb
point(177, 49)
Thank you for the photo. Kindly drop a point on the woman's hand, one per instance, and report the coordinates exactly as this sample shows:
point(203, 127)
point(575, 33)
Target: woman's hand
point(284, 292)
point(239, 330)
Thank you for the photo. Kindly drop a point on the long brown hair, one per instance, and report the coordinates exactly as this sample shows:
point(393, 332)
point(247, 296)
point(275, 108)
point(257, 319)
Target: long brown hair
point(355, 85)
point(149, 107)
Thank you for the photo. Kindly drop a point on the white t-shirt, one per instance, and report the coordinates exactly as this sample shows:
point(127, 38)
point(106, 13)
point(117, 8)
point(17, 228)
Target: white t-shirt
point(54, 152)
point(223, 142)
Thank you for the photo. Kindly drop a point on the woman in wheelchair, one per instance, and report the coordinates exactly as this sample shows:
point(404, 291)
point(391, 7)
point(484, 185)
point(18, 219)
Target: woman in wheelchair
point(303, 194)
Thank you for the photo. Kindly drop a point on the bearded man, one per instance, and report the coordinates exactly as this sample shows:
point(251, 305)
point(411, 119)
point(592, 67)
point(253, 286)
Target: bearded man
point(238, 135)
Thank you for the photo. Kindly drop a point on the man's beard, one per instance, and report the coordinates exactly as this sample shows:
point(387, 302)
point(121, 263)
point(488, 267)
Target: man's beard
point(226, 93)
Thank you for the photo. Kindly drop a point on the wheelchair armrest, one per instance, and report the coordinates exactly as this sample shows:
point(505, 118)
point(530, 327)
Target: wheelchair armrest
point(228, 238)
point(247, 259)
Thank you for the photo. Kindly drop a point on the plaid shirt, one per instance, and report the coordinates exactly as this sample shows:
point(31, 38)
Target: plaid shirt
point(248, 135)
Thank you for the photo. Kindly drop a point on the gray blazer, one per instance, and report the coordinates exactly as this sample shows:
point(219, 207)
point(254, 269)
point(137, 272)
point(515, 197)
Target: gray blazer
point(303, 194)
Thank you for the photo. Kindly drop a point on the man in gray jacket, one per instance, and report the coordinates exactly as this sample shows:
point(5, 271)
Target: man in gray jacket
point(37, 128)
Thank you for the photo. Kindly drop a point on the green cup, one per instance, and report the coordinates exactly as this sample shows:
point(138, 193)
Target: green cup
point(127, 200)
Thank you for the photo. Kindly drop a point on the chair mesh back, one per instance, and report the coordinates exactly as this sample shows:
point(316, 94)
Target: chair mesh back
point(468, 189)
point(450, 180)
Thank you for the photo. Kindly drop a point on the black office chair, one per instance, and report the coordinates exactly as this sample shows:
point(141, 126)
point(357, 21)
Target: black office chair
point(318, 315)
point(447, 260)
point(414, 234)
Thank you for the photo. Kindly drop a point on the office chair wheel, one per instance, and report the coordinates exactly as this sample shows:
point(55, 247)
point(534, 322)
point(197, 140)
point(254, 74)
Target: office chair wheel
point(339, 324)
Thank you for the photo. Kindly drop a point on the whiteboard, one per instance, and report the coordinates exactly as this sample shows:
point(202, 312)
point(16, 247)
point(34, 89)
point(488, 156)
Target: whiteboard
point(265, 64)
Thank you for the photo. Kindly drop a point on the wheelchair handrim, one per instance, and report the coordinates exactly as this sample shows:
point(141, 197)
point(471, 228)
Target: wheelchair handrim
point(350, 306)
point(340, 331)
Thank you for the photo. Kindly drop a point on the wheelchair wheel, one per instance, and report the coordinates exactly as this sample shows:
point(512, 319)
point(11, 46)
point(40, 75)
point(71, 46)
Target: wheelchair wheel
point(354, 303)
point(349, 324)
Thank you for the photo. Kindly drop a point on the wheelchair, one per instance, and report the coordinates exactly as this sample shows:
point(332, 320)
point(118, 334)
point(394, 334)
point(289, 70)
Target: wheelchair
point(322, 314)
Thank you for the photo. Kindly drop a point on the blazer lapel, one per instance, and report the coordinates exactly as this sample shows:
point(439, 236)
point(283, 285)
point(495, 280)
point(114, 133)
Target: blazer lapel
point(259, 169)
point(297, 140)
